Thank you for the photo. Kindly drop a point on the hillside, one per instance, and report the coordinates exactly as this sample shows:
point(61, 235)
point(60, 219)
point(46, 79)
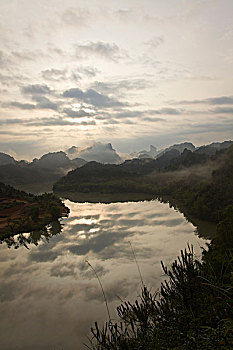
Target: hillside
point(202, 183)
point(193, 307)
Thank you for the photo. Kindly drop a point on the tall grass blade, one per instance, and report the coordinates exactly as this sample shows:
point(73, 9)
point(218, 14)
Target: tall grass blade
point(140, 275)
point(101, 286)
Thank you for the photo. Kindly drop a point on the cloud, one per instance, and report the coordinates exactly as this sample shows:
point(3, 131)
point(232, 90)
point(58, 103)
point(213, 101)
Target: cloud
point(76, 17)
point(28, 106)
point(10, 79)
point(44, 103)
point(146, 113)
point(103, 153)
point(36, 89)
point(88, 71)
point(4, 59)
point(154, 42)
point(11, 121)
point(104, 50)
point(166, 110)
point(134, 114)
point(58, 121)
point(128, 114)
point(74, 74)
point(76, 114)
point(54, 74)
point(92, 97)
point(122, 85)
point(26, 55)
point(62, 268)
point(152, 119)
point(222, 100)
point(223, 110)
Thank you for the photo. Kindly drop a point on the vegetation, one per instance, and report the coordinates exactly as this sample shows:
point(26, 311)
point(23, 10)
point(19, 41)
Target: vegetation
point(201, 186)
point(194, 307)
point(22, 212)
point(192, 310)
point(204, 199)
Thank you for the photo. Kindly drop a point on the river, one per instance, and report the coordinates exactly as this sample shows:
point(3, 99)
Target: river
point(50, 297)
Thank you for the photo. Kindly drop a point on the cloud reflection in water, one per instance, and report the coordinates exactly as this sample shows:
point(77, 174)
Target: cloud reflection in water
point(51, 284)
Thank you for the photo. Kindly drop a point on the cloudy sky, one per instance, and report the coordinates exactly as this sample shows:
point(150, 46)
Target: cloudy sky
point(129, 72)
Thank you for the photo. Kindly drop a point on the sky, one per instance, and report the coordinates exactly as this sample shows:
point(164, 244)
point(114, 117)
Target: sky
point(132, 73)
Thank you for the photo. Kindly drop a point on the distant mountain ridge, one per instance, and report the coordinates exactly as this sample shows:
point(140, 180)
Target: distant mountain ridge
point(131, 175)
point(6, 159)
point(57, 160)
point(99, 152)
point(45, 170)
point(52, 166)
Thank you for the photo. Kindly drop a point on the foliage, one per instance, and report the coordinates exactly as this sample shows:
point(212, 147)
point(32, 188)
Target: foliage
point(22, 212)
point(194, 306)
point(198, 197)
point(190, 311)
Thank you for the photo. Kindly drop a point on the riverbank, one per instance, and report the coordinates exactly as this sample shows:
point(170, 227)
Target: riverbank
point(21, 212)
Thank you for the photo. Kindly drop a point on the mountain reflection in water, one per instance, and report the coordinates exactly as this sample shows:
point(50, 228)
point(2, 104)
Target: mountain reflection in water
point(49, 295)
point(25, 239)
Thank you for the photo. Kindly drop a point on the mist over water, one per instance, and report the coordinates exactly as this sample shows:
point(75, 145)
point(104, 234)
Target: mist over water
point(49, 295)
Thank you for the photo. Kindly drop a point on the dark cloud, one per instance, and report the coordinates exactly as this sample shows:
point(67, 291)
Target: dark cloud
point(76, 269)
point(11, 121)
point(146, 113)
point(56, 121)
point(44, 103)
point(74, 93)
point(171, 111)
point(23, 105)
point(211, 127)
point(122, 85)
point(116, 290)
point(127, 115)
point(108, 51)
point(152, 119)
point(92, 97)
point(223, 110)
point(59, 122)
point(7, 291)
point(65, 270)
point(36, 89)
point(222, 100)
point(76, 114)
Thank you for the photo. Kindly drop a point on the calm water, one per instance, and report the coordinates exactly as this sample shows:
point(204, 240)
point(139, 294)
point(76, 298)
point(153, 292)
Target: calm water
point(49, 295)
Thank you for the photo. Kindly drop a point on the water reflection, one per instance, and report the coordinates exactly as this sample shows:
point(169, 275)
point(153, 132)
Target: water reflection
point(50, 286)
point(25, 239)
